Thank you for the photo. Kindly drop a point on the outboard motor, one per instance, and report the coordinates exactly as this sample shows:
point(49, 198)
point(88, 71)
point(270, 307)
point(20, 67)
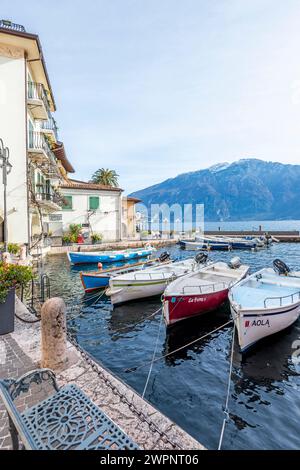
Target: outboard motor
point(201, 258)
point(280, 267)
point(163, 257)
point(235, 263)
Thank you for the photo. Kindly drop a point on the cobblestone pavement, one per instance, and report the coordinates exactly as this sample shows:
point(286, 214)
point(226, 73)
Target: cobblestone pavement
point(13, 364)
point(20, 352)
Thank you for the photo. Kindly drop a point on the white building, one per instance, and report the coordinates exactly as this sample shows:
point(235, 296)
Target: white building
point(41, 198)
point(97, 208)
point(28, 129)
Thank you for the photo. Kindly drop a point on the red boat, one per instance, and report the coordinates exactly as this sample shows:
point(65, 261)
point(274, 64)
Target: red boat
point(202, 291)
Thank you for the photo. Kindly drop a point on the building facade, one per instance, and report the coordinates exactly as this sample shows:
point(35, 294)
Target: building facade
point(28, 129)
point(129, 221)
point(97, 208)
point(42, 199)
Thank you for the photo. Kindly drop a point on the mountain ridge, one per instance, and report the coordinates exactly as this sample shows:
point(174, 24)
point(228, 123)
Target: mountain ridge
point(246, 189)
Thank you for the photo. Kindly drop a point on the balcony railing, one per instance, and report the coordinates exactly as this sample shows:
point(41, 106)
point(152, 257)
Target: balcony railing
point(52, 196)
point(36, 91)
point(6, 24)
point(50, 125)
point(38, 142)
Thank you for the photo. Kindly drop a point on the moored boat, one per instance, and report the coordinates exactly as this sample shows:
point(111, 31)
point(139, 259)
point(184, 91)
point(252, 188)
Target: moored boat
point(95, 280)
point(265, 303)
point(207, 246)
point(234, 242)
point(148, 282)
point(83, 257)
point(202, 291)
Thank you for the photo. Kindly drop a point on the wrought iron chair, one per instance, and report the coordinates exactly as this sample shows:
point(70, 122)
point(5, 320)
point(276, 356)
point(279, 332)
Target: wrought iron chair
point(66, 420)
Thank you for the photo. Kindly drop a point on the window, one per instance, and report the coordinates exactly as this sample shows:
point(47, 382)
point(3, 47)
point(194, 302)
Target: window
point(94, 203)
point(67, 203)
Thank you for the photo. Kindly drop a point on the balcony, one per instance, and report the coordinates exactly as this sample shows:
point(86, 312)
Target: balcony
point(37, 100)
point(41, 154)
point(50, 129)
point(50, 201)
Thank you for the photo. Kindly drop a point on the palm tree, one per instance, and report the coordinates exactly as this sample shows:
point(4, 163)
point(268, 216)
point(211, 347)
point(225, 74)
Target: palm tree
point(106, 177)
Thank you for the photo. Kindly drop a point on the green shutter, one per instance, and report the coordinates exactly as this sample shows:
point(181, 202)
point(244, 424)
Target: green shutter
point(67, 203)
point(93, 203)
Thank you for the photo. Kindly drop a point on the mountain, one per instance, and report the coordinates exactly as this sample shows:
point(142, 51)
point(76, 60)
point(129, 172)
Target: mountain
point(249, 189)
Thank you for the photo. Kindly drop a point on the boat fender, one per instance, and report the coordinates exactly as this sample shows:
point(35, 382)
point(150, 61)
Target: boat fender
point(280, 267)
point(201, 258)
point(165, 256)
point(235, 263)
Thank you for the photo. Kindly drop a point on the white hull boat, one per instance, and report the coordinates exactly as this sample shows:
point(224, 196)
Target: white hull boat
point(147, 283)
point(264, 304)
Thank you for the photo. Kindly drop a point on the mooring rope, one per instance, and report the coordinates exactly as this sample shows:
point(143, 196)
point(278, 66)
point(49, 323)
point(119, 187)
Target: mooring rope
point(134, 369)
point(226, 408)
point(153, 356)
point(122, 328)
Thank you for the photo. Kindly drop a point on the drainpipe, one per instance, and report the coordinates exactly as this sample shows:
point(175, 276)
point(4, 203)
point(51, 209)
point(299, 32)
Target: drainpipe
point(27, 161)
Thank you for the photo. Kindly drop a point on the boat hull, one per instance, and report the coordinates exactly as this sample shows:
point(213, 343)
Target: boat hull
point(93, 282)
point(252, 326)
point(106, 257)
point(120, 293)
point(181, 307)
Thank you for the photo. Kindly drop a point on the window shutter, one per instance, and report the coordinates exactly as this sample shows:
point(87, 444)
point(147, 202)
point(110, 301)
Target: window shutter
point(67, 203)
point(93, 203)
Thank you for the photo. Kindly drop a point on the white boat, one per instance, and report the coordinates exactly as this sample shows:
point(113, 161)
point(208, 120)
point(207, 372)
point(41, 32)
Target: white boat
point(149, 282)
point(264, 304)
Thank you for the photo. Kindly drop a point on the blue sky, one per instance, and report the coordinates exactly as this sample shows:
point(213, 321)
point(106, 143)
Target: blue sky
point(154, 88)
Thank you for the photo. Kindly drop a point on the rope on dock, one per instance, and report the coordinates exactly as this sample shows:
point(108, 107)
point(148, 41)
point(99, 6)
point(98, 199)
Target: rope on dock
point(226, 408)
point(153, 356)
point(134, 369)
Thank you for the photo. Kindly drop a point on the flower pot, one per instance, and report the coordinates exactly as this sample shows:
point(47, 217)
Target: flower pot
point(7, 314)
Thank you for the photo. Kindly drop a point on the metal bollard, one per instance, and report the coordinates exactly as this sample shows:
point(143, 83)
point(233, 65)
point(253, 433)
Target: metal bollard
point(54, 334)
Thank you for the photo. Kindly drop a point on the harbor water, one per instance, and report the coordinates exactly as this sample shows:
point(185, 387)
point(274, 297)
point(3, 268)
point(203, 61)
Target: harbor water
point(190, 386)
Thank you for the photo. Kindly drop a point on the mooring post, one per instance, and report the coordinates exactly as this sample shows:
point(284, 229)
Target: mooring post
point(54, 334)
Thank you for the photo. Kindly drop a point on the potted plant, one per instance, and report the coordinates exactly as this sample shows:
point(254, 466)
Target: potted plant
point(11, 276)
point(66, 239)
point(96, 238)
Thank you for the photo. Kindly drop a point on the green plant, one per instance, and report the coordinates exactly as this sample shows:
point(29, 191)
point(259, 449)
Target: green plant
point(66, 238)
point(96, 237)
point(13, 275)
point(106, 177)
point(12, 248)
point(75, 229)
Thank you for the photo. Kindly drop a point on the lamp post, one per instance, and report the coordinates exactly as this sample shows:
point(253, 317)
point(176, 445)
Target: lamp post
point(6, 167)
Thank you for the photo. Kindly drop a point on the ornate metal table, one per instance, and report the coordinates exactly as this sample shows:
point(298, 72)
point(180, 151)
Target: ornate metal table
point(66, 420)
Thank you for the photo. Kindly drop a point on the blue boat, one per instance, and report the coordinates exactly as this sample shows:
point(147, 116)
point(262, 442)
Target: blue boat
point(95, 280)
point(80, 257)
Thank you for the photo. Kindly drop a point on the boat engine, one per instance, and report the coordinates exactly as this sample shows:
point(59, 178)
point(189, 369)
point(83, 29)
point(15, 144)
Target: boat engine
point(201, 258)
point(235, 263)
point(165, 256)
point(280, 267)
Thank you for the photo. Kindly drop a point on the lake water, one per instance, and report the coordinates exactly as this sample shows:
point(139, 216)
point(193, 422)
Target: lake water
point(190, 386)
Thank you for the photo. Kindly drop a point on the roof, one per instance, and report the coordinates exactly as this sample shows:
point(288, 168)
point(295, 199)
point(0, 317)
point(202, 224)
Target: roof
point(34, 54)
point(60, 153)
point(133, 199)
point(77, 184)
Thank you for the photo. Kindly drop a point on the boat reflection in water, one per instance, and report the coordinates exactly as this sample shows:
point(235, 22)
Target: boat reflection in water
point(131, 317)
point(185, 332)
